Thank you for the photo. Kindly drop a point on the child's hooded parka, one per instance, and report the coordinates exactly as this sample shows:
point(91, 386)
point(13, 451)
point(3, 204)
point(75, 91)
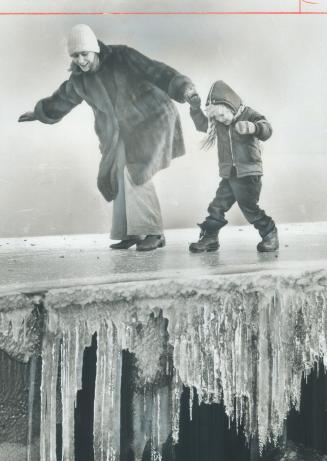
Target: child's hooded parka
point(242, 152)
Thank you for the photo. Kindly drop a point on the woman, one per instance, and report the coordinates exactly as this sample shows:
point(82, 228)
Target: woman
point(137, 124)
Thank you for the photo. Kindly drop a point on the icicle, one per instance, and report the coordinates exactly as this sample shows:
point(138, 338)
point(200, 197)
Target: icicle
point(176, 392)
point(107, 395)
point(164, 414)
point(68, 392)
point(50, 358)
point(190, 403)
point(263, 376)
point(31, 397)
point(155, 429)
point(141, 416)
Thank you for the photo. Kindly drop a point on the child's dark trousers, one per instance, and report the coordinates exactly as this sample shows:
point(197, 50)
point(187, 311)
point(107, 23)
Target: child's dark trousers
point(246, 192)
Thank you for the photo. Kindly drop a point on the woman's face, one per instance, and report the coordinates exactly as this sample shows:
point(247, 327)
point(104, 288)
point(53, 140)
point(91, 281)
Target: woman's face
point(85, 60)
point(221, 113)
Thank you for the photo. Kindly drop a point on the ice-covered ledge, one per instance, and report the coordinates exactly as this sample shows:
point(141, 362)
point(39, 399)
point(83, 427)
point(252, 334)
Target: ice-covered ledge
point(239, 322)
point(30, 265)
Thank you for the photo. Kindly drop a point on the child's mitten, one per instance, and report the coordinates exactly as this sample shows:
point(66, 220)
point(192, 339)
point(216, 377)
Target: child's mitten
point(245, 127)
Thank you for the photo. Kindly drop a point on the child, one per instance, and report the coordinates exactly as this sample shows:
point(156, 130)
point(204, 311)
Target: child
point(238, 130)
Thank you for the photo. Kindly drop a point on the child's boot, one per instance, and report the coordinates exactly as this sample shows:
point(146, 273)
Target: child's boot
point(208, 240)
point(269, 242)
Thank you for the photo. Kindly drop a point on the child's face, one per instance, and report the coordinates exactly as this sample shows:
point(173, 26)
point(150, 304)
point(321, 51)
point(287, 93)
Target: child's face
point(221, 113)
point(84, 59)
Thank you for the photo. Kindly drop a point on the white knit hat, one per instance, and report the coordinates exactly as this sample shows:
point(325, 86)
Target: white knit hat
point(82, 38)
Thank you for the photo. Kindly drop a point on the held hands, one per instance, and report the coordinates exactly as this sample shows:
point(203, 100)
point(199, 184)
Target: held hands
point(245, 127)
point(191, 96)
point(27, 117)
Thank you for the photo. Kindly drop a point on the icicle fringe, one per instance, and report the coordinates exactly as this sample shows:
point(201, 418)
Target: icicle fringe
point(245, 338)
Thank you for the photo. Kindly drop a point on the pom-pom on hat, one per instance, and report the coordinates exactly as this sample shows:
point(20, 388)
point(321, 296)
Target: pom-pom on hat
point(82, 38)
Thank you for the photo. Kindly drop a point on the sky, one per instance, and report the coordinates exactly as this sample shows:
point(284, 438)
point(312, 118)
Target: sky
point(277, 63)
point(159, 5)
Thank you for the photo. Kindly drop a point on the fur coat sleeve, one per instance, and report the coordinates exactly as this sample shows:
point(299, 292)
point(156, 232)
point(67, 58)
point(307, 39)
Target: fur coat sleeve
point(159, 74)
point(53, 108)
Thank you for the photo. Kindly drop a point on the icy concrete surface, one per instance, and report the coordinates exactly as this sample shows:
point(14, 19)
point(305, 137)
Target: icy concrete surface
point(233, 323)
point(40, 263)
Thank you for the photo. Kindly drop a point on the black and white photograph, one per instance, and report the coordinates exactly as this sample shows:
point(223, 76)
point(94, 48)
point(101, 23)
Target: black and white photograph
point(163, 231)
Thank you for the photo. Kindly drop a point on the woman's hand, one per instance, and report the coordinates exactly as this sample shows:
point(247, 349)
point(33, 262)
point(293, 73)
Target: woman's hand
point(27, 117)
point(191, 96)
